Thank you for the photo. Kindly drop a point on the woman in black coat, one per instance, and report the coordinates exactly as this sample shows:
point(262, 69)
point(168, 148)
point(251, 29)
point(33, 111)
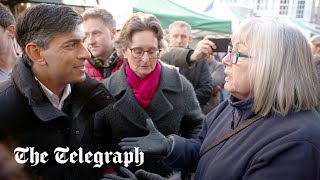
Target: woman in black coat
point(146, 88)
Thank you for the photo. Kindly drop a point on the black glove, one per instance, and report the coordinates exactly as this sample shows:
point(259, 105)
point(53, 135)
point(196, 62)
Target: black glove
point(127, 175)
point(153, 143)
point(144, 175)
point(139, 175)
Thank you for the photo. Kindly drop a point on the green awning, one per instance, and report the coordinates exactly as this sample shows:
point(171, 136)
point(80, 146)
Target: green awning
point(167, 12)
point(304, 26)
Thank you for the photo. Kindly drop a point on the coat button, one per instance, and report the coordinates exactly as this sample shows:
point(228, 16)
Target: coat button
point(77, 132)
point(108, 97)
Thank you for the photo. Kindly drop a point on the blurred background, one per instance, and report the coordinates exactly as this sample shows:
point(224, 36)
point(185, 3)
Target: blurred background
point(218, 17)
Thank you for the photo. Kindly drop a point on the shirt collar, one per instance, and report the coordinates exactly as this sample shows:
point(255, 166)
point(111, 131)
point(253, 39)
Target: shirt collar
point(53, 98)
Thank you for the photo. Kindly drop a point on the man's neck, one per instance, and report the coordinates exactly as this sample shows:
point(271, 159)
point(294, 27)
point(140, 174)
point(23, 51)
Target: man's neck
point(8, 60)
point(106, 56)
point(55, 88)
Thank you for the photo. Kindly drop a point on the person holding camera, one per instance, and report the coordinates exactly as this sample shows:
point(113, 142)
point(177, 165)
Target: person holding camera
point(198, 74)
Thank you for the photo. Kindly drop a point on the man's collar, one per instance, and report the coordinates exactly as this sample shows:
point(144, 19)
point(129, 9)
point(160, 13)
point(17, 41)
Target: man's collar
point(54, 98)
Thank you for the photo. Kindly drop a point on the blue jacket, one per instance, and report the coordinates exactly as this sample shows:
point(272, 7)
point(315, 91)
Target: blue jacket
point(274, 147)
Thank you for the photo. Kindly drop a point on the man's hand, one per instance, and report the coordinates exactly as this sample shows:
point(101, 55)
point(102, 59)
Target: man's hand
point(153, 143)
point(204, 49)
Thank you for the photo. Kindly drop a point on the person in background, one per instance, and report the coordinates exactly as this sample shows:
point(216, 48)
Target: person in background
point(49, 101)
point(274, 127)
point(8, 54)
point(314, 42)
point(100, 30)
point(146, 88)
point(216, 69)
point(198, 74)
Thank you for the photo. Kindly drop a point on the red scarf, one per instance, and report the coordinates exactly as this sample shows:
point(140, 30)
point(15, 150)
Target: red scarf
point(144, 89)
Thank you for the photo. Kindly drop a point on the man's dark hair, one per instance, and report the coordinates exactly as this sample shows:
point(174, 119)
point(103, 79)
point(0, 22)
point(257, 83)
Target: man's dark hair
point(6, 17)
point(41, 23)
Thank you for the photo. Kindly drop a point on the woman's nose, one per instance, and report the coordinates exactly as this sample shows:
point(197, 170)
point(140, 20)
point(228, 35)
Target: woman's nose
point(226, 60)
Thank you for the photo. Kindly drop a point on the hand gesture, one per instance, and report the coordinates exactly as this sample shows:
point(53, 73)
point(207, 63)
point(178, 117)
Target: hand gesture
point(153, 143)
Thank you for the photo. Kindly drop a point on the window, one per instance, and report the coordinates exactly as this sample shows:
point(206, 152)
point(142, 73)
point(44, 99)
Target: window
point(300, 9)
point(261, 5)
point(284, 7)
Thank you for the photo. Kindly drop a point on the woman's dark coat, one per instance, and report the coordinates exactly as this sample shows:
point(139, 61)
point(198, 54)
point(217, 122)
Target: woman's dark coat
point(174, 109)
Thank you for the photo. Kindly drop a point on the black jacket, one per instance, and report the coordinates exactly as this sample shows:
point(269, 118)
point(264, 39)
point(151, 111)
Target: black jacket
point(28, 118)
point(200, 78)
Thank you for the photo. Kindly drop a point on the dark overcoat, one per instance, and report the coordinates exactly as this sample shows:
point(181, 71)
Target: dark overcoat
point(29, 119)
point(174, 109)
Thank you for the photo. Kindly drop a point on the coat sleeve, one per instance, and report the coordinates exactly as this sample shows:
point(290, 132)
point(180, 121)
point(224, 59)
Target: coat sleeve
point(280, 162)
point(192, 120)
point(179, 57)
point(103, 139)
point(204, 87)
point(185, 152)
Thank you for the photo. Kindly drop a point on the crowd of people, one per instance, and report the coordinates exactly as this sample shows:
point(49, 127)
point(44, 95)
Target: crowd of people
point(80, 83)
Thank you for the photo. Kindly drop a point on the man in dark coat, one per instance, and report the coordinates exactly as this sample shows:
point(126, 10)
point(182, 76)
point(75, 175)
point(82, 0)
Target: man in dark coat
point(49, 101)
point(198, 74)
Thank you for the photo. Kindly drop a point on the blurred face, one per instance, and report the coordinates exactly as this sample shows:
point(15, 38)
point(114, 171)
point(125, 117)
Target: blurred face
point(142, 41)
point(178, 37)
point(237, 75)
point(99, 37)
point(315, 49)
point(5, 39)
point(65, 57)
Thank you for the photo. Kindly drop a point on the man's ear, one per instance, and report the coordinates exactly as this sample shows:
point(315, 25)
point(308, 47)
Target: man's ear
point(34, 53)
point(190, 40)
point(124, 53)
point(113, 33)
point(317, 49)
point(11, 30)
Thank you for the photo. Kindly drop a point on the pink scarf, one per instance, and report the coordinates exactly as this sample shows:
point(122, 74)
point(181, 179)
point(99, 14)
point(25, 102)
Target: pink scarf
point(144, 89)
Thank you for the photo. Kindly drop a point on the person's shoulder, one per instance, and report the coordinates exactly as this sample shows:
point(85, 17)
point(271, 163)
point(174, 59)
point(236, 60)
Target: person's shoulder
point(114, 77)
point(10, 96)
point(167, 67)
point(306, 121)
point(6, 85)
point(117, 82)
point(169, 70)
point(296, 126)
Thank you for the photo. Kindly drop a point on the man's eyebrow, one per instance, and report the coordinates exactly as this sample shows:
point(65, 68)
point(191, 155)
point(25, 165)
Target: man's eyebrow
point(74, 40)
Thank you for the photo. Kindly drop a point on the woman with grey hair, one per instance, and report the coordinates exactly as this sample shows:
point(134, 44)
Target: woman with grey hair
point(146, 88)
point(268, 128)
